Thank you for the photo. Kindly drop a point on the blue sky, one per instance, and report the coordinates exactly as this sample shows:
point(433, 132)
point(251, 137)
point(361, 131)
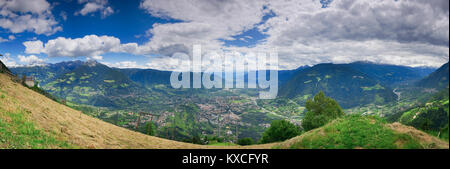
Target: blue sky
point(127, 23)
point(147, 33)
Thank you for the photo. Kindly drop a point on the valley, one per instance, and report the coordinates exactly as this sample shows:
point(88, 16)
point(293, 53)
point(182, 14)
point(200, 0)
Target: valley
point(217, 113)
point(118, 96)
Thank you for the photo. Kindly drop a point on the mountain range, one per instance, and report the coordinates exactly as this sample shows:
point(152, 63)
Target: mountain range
point(115, 94)
point(37, 122)
point(353, 84)
point(133, 90)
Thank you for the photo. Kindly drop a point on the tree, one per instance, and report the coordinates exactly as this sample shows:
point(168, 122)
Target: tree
point(245, 141)
point(196, 139)
point(320, 111)
point(280, 130)
point(150, 128)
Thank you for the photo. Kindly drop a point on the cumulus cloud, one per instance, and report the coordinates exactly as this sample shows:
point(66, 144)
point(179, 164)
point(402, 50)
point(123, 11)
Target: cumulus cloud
point(33, 47)
point(91, 46)
point(204, 22)
point(92, 6)
point(31, 60)
point(19, 16)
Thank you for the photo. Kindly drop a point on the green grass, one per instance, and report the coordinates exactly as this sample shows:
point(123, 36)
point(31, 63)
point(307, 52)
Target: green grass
point(408, 116)
point(16, 132)
point(376, 87)
point(309, 81)
point(356, 131)
point(109, 81)
point(442, 135)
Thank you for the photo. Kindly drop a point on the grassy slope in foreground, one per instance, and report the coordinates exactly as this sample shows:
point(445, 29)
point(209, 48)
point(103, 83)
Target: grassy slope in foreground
point(30, 120)
point(364, 132)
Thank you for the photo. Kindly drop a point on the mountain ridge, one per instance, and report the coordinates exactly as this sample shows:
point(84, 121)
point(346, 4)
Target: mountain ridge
point(438, 79)
point(346, 85)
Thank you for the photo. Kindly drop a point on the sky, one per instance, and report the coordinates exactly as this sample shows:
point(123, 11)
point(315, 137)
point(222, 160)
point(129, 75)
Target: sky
point(152, 33)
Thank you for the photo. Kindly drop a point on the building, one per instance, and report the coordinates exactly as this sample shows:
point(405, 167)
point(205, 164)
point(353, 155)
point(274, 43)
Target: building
point(29, 81)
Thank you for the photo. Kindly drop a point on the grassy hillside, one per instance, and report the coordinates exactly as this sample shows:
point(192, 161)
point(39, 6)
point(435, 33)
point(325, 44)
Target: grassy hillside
point(431, 117)
point(30, 120)
point(364, 132)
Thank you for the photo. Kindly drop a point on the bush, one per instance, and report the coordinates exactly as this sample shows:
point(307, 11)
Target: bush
point(245, 141)
point(196, 140)
point(280, 130)
point(320, 111)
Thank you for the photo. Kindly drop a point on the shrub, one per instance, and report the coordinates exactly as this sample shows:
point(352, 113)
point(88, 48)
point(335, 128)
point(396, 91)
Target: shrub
point(245, 141)
point(196, 139)
point(280, 130)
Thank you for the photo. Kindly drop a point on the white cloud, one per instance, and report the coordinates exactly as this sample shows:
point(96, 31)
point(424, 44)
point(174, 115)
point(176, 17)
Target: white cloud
point(63, 15)
point(35, 16)
point(91, 46)
point(31, 60)
point(167, 63)
point(97, 57)
point(204, 22)
point(403, 21)
point(8, 61)
point(91, 6)
point(10, 38)
point(413, 33)
point(33, 47)
point(125, 64)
